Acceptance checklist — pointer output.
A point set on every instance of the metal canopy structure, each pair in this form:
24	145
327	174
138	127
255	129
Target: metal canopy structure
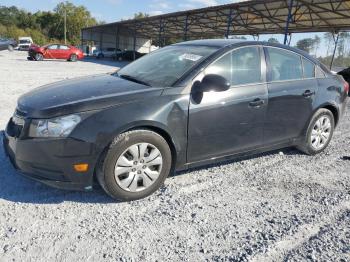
244	18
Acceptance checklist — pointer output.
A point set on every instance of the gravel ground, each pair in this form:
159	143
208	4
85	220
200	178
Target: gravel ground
279	206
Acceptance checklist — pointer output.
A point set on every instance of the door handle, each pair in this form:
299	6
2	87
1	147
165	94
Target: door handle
308	93
257	103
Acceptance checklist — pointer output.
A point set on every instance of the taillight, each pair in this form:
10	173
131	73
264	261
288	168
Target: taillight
346	87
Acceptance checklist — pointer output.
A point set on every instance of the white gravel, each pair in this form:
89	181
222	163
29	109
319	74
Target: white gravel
272	207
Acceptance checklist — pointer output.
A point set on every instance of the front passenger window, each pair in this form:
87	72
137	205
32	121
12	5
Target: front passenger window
221	67
52	47
241	66
246	66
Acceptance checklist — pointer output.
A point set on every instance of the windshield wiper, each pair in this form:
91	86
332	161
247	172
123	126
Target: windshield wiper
134	79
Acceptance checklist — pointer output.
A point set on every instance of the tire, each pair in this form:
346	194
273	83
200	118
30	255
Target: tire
314	132
73	58
10	48
132	184
39	57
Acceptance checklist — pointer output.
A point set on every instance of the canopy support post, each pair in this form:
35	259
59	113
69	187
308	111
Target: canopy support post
229	22
134	47
186	27
117	39
161	28
336	40
289	19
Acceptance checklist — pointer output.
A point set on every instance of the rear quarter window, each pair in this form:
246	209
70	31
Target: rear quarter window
309	68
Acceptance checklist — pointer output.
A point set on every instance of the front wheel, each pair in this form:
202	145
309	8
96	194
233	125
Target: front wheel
319	133
39	57
135	166
10	48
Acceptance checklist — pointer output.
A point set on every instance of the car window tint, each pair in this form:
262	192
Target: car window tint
285	65
320	73
246	66
309	69
222	67
51	47
64	47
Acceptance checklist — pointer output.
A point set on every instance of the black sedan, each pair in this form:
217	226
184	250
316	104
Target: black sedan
127	55
8	44
183	106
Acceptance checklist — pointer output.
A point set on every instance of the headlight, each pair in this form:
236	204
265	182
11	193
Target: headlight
55	127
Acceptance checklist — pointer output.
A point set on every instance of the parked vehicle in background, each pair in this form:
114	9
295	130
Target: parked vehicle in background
55	51
346	75
24	43
127	55
6	43
108	53
185	105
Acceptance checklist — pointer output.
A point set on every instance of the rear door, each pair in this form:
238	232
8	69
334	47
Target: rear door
64	52
292	87
223	123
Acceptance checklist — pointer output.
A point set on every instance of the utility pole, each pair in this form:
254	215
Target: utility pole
65	26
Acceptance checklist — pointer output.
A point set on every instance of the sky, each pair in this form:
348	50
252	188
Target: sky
115	10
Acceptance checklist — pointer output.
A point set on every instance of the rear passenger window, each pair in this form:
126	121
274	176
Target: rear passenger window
285	65
309	69
246	66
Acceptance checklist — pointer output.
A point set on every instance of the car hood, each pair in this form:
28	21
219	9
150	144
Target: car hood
82	94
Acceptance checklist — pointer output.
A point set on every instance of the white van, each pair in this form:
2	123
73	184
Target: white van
24	43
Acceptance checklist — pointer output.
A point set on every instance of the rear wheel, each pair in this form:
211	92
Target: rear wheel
73	58
39	57
135	166
319	133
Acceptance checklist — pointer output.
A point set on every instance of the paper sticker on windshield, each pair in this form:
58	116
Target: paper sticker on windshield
191	57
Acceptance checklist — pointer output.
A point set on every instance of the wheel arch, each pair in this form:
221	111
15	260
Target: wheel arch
334	109
150	126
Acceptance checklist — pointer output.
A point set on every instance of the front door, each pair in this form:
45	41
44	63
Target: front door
52	52
223	123
292	88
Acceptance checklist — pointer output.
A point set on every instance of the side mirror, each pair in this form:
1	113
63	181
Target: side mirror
214	83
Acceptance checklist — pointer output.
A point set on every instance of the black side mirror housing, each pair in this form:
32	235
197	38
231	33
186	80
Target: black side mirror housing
214	83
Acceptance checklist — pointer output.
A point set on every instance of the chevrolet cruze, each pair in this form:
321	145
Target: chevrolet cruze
185	105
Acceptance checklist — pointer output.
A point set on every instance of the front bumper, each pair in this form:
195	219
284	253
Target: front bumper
51	161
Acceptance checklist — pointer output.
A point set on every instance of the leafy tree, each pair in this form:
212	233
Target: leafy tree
273	40
316	44
45	26
140	15
306	44
77	18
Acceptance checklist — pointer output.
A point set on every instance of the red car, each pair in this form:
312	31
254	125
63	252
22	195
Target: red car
55	51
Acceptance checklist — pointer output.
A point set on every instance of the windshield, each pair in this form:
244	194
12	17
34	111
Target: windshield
164	67
24	41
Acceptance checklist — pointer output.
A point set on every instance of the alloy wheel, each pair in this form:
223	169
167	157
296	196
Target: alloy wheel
321	132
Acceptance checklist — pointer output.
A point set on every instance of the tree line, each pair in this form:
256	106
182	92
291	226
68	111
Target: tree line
46	26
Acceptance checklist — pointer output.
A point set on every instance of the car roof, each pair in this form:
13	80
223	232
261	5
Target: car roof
223	43
212	42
